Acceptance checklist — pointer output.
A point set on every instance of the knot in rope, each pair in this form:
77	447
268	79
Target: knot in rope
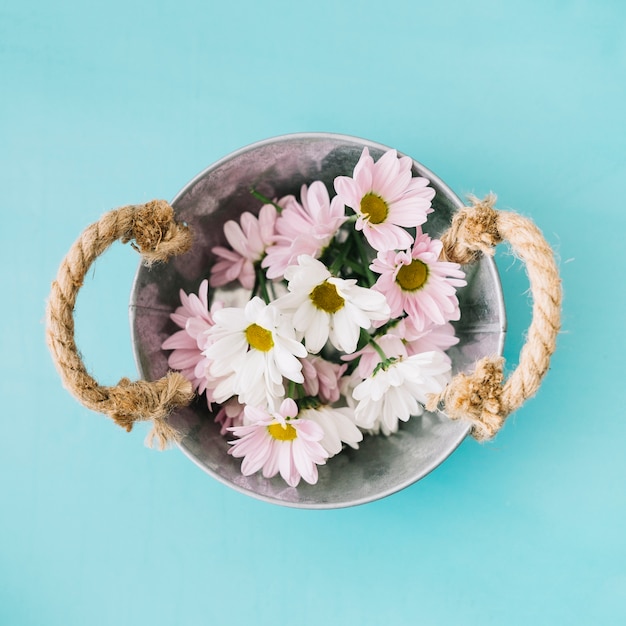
474	229
156	233
476	397
139	400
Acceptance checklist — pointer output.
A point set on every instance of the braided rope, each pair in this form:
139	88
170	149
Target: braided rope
483	397
157	237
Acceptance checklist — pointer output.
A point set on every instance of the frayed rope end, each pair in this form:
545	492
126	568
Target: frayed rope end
475	397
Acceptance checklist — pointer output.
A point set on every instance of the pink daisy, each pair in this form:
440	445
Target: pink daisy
321	378
432	338
248	241
229	415
279	442
386	198
391	344
188	344
416	282
305	228
402	341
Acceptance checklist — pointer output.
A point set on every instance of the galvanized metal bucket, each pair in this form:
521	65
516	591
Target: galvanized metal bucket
276	167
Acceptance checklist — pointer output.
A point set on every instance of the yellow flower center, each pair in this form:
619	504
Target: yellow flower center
374	208
326	298
412	277
259	338
282	433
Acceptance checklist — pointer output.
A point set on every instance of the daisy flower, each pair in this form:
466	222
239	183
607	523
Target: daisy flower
398	390
248	241
279	442
326	307
188	344
386	198
392	345
252	349
433	337
229	415
305	228
415	281
321	378
338	426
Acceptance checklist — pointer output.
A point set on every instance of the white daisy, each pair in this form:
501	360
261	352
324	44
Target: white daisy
253	348
326	307
398	390
338	426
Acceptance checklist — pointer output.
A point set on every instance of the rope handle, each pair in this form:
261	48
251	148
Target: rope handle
157	236
483	397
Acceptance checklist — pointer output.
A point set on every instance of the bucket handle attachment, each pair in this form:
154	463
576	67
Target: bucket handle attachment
157	237
483	398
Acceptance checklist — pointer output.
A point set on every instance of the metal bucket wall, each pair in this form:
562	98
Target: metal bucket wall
277	167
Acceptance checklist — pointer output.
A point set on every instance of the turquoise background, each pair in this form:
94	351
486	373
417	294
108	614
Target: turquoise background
106	104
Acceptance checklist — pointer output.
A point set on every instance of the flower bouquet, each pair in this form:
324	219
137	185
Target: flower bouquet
346	325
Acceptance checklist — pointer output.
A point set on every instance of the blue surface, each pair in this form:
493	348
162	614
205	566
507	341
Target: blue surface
124	101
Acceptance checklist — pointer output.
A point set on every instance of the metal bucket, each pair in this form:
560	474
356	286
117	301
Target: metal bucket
277	167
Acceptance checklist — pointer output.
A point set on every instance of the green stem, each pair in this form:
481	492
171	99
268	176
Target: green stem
262	285
385	328
355	266
264	199
341	258
381	354
291	391
255	288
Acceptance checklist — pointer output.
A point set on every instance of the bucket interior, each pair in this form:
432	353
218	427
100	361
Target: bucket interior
277	167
